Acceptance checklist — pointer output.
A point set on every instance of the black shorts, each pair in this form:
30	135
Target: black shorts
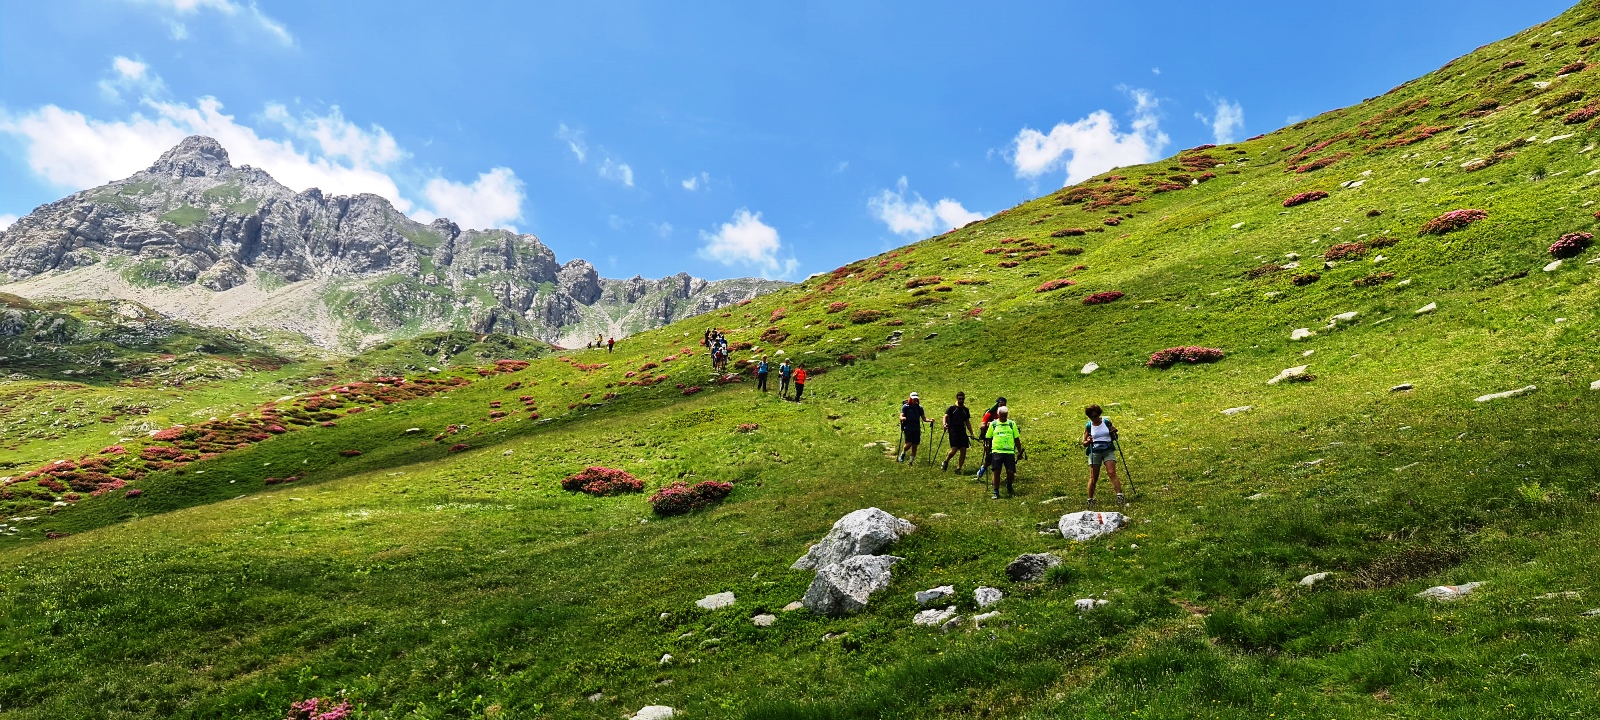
959	441
913	433
1003	460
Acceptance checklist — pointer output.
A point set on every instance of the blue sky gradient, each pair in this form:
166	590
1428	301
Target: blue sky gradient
722	139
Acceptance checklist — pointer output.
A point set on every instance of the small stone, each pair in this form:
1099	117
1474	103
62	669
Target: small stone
1594	385
1420	181
597	697
1089	604
1564	595
986	596
1592	613
935	594
1314	578
1425	309
1507	394
791	607
937	516
1402	387
1031	567
1289	374
764	620
1237	410
653	712
715	601
413	430
1553	266
1089	368
950	624
934	616
1344	317
1301	334
979	620
1292	255
1448	592
665	615
1238	225
665	658
1257	496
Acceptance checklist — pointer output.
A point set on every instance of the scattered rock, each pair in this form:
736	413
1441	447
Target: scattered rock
863	532
1301	334
791	607
597	697
1089	604
1564	595
1314	578
665	615
715	601
833	636
979	620
1289	374
1425	309
1448	592
937	516
1257	496
1594	385
1238	225
1507	394
1344	317
934	616
653	712
764	620
939	593
1553	266
413	430
1089	368
1087	525
1592	613
1402	387
844	587
986	596
1237	410
665	658
950	625
1031	567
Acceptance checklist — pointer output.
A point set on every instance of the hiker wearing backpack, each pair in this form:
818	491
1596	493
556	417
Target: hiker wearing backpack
912	416
983	434
799	382
958	426
1100	444
761	374
784	372
1005	445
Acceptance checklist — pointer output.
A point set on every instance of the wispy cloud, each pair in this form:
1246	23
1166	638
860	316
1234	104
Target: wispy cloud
1226	120
608	167
574	141
748	242
131	76
1091	145
906	213
618	171
176	12
695	182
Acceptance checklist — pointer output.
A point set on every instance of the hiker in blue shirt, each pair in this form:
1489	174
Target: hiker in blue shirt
1100	444
761	374
784	371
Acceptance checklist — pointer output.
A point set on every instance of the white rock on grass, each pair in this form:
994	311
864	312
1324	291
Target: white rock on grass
1553	266
1594	385
1031	567
1237	410
1089	604
986	596
1402	387
1563	595
1289	373
1425	309
951	624
653	712
1089	368
715	601
1507	394
844	587
1592	613
764	620
1344	317
868	531
1314	578
1448	592
934	616
1087	525
935	594
791	607
665	658
979	620
1301	334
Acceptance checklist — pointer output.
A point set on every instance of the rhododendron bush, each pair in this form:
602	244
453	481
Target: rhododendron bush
1305	197
1101	298
602	481
1345	250
1451	221
680	497
1192	355
1571	244
1054	285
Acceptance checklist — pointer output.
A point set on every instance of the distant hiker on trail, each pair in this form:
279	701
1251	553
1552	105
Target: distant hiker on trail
799	382
784	372
958	425
1005	446
705	340
1100	444
761	373
611	344
912	416
983	434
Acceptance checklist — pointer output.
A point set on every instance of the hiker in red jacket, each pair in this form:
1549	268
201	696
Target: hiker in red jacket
799	382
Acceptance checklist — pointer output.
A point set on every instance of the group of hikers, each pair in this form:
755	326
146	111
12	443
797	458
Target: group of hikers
601	341
717	344
1002	442
787	375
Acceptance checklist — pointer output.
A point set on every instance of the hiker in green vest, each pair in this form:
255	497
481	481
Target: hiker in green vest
1005	445
1100	444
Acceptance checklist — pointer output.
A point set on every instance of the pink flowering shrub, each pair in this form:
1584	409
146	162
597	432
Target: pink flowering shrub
919	282
458	447
1452	221
1113	221
114	450
172	433
692	389
837	306
1305	197
680	497
1344	250
318	709
749	427
1101	298
1050	285
1192	355
135	492
779	314
1570	68
895	322
1069	232
602	481
1571	244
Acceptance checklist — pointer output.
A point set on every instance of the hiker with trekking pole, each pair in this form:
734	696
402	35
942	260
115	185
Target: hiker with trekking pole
1005	445
958	426
784	372
912	416
983	435
1100	444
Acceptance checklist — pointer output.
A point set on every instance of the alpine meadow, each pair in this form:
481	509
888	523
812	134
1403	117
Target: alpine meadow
1355	379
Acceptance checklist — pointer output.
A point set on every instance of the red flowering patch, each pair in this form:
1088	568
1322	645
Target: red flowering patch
919	282
171	433
350	453
1452	221
679	497
602	481
113	450
1570	68
1306	279
497	414
692	389
862	317
1050	285
517	385
975	281
1344	250
838	306
1305	197
895	322
1514	64
1192	355
1112	221
1373	279
1581	115
778	314
1009	264
1101	298
135	492
1321	162
1571	245
318	709
1414	136
458	447
1069	232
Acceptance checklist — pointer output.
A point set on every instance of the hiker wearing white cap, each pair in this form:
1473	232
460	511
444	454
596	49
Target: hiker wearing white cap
912	416
1006	445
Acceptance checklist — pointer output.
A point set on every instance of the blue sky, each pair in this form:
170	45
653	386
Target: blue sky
724	139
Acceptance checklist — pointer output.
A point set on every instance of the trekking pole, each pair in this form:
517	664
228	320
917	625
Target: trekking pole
1124	461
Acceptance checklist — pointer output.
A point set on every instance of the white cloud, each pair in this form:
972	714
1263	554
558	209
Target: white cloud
574	140
1092	144
494	200
620	172
247	12
1225	122
6	220
132	76
747	242
1155	71
695	182
913	216
664	229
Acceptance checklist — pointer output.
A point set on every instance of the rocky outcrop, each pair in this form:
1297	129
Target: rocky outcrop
194	219
844	587
868	531
1088	524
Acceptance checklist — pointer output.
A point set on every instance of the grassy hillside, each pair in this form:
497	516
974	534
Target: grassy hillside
443	572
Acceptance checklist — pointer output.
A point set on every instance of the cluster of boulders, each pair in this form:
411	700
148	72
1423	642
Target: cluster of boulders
947	618
848	562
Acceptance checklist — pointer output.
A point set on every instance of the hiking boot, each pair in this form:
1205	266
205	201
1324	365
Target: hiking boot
1121	500
1090	504
901	459
945	467
1009	491
994	495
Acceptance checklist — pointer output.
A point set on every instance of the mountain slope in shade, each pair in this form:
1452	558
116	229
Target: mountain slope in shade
197	238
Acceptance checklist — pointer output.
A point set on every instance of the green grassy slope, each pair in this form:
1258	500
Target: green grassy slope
420	582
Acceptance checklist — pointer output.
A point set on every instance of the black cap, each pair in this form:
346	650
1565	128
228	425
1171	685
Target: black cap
1000	401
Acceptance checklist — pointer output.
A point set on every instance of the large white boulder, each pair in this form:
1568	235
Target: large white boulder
986	596
1301	334
868	531
844	587
715	601
1089	604
1087	524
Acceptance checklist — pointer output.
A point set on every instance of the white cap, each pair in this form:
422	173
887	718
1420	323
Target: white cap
914	396
1003	410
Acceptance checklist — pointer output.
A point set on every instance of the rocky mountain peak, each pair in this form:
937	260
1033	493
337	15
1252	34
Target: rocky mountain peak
195	156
